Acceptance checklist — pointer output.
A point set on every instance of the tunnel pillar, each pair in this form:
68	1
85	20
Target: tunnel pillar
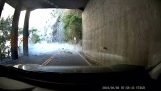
14	32
26	33
2	2
122	32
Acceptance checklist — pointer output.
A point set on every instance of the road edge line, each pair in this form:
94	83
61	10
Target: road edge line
85	59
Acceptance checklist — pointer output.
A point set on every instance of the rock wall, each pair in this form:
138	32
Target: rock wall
58	31
58	27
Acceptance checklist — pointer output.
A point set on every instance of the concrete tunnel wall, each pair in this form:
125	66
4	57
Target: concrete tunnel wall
122	32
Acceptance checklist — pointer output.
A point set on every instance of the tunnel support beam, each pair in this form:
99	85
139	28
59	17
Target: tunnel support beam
14	32
26	33
2	2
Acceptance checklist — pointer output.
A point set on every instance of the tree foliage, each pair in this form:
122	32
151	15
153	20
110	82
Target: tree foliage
35	38
5	30
72	26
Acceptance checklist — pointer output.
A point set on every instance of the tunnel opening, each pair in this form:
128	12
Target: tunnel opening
54	37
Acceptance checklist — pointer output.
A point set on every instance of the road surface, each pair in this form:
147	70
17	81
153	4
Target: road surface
52	55
59	55
66	58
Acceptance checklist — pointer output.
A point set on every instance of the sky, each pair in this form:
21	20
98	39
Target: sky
37	20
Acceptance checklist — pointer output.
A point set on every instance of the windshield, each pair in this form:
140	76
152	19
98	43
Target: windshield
78	34
94	44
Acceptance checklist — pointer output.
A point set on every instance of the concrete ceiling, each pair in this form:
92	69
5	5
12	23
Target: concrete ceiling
37	4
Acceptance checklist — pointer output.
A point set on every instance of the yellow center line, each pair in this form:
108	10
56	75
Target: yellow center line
48	60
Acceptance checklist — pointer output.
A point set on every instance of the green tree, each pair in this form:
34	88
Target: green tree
35	38
72	26
5	30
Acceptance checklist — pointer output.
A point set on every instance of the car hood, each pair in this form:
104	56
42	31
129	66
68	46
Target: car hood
78	69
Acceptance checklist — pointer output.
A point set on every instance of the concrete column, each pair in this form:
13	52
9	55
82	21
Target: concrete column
14	32
122	32
26	33
2	2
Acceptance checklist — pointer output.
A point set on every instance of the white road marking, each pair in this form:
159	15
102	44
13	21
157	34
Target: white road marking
84	59
52	58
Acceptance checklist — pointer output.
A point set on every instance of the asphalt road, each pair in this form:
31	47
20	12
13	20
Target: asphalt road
54	54
66	58
56	58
